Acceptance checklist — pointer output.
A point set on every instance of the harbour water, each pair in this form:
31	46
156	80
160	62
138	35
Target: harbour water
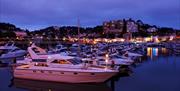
160	71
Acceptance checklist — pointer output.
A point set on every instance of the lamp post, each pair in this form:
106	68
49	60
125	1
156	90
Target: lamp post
106	60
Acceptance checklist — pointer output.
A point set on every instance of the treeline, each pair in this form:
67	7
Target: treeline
8	30
64	31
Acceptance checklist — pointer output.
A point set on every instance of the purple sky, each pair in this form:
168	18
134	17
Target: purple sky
36	14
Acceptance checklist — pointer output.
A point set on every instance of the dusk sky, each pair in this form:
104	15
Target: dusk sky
37	14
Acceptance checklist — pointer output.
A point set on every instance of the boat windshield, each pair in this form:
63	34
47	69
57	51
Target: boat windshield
35	50
59	46
63	50
115	56
9	44
39	60
101	59
15	50
75	61
61	61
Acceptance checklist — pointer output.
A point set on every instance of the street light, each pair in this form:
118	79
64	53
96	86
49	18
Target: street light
106	60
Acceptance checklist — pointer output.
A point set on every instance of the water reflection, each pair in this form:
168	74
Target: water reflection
164	50
123	72
154	52
160	75
33	85
149	51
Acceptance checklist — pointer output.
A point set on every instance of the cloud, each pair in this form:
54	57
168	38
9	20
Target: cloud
40	13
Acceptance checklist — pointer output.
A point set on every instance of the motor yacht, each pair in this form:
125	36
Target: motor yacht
9	45
59	68
117	61
60	49
11	51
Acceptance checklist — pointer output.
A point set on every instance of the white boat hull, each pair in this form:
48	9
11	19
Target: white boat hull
62	76
12	55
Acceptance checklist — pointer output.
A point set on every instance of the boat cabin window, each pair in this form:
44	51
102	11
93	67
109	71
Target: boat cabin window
41	64
88	62
75	61
59	46
35	50
39	60
63	50
61	62
115	56
101	54
101	60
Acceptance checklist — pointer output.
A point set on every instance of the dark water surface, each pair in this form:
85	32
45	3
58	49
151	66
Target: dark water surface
159	72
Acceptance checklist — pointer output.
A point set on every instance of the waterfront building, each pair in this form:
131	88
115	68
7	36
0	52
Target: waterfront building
20	34
120	26
152	29
127	36
114	26
131	26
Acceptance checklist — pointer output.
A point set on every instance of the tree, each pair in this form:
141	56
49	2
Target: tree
9	34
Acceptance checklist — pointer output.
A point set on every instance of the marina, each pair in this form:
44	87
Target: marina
158	68
82	45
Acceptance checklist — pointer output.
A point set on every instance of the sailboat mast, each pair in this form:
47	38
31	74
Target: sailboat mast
78	29
78	37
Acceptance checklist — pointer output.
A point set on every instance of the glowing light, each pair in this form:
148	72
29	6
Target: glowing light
107	56
64	38
148	39
56	37
17	38
164	50
105	40
157	40
122	40
49	57
94	42
75	39
30	42
171	38
36	63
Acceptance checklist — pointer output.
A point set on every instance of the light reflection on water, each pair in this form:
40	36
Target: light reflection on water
159	72
155	52
151	52
53	86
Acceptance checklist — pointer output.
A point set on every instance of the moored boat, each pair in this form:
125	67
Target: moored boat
60	68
